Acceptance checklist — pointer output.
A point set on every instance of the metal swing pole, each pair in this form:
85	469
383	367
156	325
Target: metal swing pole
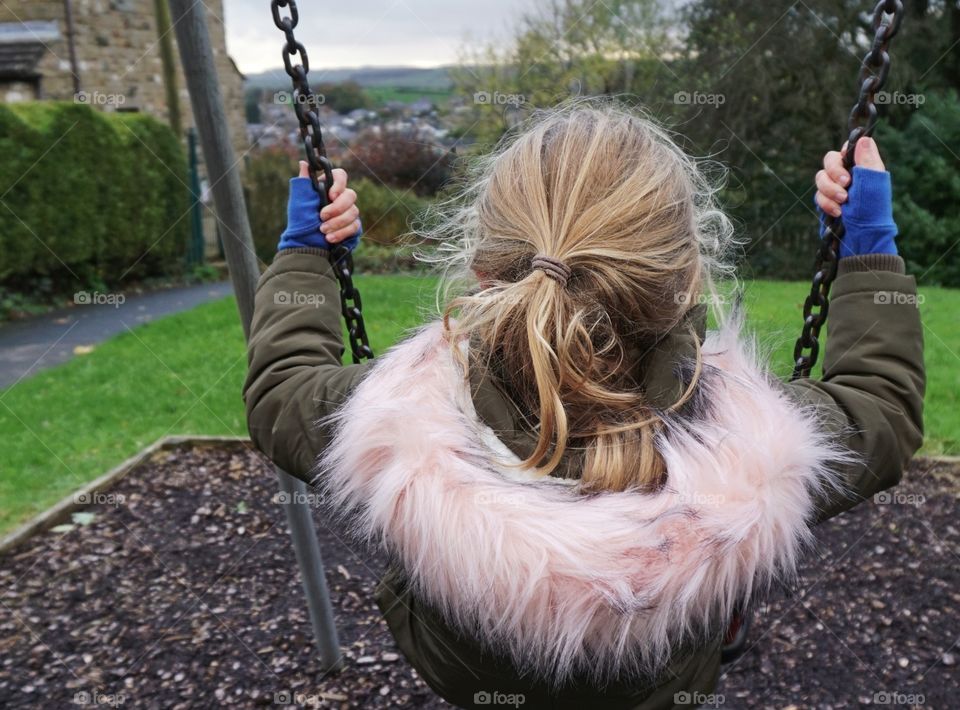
209	115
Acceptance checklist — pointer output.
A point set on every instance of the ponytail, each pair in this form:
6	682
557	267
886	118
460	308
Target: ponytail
590	234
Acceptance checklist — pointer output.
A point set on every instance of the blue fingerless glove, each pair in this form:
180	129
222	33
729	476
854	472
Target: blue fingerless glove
867	215
303	220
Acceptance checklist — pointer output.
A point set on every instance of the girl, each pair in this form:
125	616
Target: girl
575	483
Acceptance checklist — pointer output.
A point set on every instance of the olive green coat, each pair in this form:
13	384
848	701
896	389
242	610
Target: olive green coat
871	396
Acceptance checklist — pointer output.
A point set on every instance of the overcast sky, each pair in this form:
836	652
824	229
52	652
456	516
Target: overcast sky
368	32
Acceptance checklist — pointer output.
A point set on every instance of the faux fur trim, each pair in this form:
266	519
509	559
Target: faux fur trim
610	583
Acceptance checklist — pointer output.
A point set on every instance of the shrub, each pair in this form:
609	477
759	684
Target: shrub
18	146
88	197
387	214
155	166
266	181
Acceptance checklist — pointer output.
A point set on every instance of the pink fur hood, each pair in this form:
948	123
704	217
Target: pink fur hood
559	580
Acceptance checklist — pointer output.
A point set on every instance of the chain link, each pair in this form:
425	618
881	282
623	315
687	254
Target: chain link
306	107
874	70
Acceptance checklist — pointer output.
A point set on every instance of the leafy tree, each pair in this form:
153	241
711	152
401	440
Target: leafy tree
929	43
786	76
782	84
566	48
926	177
344	97
766	88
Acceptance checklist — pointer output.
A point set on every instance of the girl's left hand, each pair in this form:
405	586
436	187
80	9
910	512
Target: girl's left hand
338	222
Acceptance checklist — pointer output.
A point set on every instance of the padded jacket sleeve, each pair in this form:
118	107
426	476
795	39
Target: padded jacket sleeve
871	392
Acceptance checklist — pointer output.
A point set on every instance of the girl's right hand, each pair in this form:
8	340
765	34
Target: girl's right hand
867	208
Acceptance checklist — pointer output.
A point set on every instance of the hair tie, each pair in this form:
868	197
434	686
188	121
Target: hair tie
552	267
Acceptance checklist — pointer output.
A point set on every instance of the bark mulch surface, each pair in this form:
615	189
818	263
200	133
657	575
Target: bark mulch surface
179	589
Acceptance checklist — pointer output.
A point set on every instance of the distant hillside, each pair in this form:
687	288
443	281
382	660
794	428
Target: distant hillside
435	79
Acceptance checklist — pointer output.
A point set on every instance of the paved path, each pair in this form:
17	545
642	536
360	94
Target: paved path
34	344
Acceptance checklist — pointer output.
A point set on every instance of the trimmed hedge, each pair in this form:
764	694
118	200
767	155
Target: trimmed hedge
266	177
89	196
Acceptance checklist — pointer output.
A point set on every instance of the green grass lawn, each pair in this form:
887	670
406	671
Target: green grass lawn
183	375
382	94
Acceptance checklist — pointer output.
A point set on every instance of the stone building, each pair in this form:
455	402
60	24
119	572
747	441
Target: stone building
115	59
115	62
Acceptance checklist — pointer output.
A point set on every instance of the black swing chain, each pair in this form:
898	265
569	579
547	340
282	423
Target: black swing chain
305	105
887	16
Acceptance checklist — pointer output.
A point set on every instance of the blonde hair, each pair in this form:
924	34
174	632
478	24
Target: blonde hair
606	191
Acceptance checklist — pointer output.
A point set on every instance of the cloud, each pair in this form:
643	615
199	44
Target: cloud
370	32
